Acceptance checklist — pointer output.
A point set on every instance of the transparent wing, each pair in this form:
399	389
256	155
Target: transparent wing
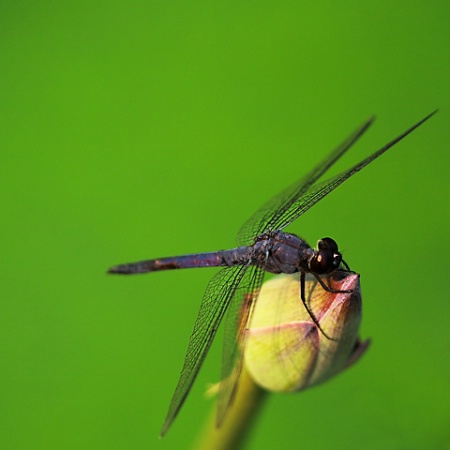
236	324
315	193
298	198
270	212
216	299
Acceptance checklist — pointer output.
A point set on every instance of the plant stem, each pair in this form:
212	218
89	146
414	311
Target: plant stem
238	420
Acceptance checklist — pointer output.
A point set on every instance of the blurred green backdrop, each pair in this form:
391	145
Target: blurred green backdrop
145	129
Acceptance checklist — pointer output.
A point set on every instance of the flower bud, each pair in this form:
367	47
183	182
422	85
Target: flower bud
285	350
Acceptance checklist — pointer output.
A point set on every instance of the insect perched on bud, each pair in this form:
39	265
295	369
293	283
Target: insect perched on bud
301	349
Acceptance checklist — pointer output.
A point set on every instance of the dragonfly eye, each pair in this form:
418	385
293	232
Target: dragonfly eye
325	260
328	243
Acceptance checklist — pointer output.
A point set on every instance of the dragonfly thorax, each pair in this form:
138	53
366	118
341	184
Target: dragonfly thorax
280	252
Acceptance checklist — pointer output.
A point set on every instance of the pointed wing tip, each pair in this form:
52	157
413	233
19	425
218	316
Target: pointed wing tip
419	123
165	428
367	124
431	114
372	118
170	417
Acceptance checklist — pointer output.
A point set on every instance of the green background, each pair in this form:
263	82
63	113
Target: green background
131	130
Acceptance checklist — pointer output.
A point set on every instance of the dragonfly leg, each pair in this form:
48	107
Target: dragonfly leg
311	314
329	289
347	267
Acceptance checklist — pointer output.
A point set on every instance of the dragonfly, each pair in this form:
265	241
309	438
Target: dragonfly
264	246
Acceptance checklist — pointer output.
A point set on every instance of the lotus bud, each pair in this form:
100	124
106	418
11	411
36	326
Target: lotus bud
285	350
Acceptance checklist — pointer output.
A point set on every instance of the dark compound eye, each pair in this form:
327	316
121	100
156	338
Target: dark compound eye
327	258
328	243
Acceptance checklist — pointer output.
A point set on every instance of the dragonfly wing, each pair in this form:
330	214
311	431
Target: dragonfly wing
216	299
275	208
300	205
236	324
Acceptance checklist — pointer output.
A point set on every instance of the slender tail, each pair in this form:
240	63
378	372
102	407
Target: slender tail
212	259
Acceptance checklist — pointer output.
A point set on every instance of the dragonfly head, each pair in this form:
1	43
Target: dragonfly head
327	258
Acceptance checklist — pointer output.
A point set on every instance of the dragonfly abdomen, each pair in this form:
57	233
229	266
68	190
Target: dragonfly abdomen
211	259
